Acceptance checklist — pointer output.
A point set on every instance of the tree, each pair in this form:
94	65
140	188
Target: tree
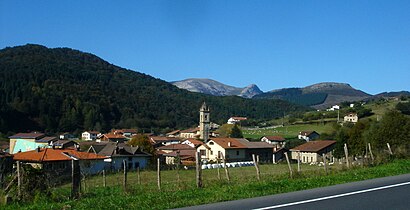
225	130
341	138
403	108
143	143
356	142
236	132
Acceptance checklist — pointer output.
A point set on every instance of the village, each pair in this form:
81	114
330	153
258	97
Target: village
110	151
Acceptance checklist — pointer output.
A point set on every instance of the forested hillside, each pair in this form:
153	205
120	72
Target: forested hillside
61	89
294	95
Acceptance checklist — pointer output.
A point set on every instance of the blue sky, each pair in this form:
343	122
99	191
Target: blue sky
273	44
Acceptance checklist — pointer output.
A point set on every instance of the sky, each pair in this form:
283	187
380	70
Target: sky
271	43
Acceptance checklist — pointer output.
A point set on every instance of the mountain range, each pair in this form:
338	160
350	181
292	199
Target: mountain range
320	95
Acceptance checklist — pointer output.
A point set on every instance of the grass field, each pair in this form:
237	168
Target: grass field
243	184
289	131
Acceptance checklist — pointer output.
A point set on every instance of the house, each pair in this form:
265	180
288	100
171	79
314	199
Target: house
4	146
235	149
64	144
90	135
118	152
127	133
67	136
185	152
22	142
278	154
6	166
236	120
308	135
193	142
277	141
58	161
111	137
351	117
311	152
333	108
174	133
190	133
158	141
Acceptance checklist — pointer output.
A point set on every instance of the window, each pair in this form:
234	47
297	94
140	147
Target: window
211	143
212	152
202	152
237	152
219	154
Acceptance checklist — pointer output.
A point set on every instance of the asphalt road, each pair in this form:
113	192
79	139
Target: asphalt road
382	193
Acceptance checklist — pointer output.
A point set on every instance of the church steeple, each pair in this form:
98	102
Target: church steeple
204	121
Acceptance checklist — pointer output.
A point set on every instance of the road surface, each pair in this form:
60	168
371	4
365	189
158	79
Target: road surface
382	193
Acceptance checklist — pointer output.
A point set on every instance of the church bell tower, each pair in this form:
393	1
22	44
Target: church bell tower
204	122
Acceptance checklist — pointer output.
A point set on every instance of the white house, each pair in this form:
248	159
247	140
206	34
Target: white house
351	117
333	108
235	120
235	149
277	141
308	135
90	135
311	152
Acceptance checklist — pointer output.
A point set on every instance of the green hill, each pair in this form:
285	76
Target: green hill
61	89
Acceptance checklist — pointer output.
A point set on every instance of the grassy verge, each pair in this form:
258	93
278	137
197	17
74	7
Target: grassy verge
176	195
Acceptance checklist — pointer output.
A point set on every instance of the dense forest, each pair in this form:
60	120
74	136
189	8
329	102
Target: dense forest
60	89
295	95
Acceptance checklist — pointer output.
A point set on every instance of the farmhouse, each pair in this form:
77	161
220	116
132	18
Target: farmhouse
351	117
172	151
308	135
311	152
235	149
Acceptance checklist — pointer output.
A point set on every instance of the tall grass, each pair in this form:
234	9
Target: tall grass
173	194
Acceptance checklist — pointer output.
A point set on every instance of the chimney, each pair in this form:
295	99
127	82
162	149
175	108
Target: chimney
229	144
38	149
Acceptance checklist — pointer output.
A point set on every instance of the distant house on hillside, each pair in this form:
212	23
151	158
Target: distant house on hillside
90	135
311	152
333	108
236	120
351	117
111	137
308	135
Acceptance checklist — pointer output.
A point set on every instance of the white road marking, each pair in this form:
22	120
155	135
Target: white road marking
333	196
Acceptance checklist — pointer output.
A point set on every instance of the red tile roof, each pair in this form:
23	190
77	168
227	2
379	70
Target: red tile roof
275	138
48	154
190	130
173	132
229	143
314	146
113	136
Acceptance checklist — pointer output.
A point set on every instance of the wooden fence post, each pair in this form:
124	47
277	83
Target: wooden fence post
324	162
138	175
226	168
388	147
18	180
298	161
75	179
198	170
347	156
104	179
124	162
371	153
177	165
256	166
219	173
159	173
290	168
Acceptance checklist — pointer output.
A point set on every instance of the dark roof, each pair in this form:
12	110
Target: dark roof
314	146
4	154
157	139
27	136
182	153
113	149
307	133
93	132
63	142
47	139
274	138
